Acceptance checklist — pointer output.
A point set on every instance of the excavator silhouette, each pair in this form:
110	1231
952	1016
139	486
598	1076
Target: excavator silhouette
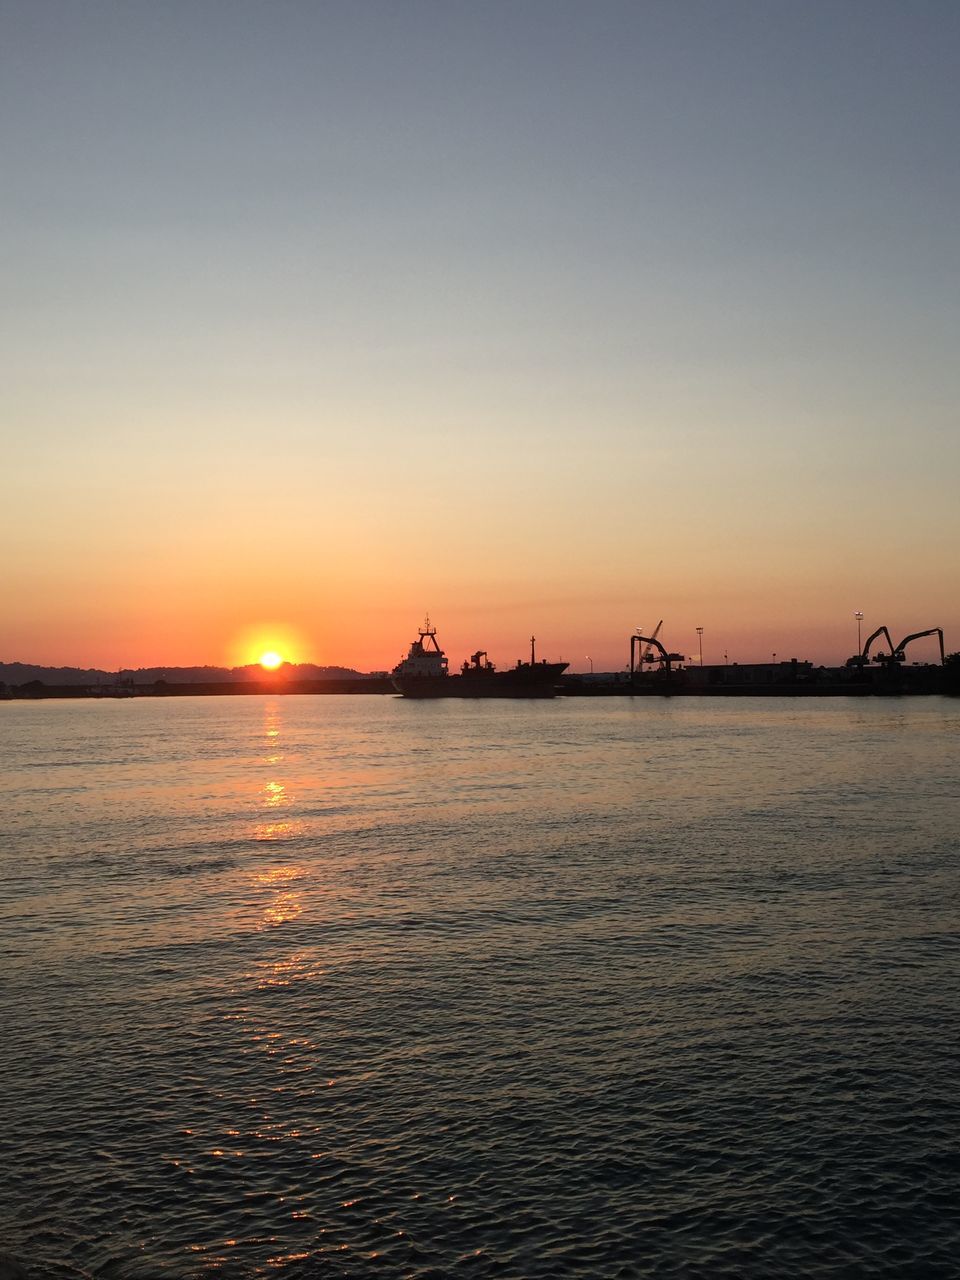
896	656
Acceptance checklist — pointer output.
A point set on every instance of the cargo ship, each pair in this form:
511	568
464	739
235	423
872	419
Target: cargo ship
425	673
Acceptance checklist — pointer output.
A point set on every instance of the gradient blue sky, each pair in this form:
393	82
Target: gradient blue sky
540	316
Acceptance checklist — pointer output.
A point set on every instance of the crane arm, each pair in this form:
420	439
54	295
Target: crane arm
880	631
917	635
652	641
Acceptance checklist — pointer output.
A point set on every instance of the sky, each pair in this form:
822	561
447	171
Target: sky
541	317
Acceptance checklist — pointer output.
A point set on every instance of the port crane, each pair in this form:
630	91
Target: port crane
665	659
645	657
896	654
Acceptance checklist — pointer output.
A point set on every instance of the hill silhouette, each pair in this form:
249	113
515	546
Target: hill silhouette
20	673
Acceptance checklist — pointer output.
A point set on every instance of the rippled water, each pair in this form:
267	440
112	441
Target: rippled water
589	988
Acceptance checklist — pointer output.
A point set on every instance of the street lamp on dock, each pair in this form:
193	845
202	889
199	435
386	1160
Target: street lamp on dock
700	638
859	617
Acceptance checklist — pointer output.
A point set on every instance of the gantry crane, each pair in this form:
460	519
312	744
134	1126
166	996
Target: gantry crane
665	659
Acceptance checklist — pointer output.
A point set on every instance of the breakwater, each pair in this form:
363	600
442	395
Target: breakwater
773	680
791	679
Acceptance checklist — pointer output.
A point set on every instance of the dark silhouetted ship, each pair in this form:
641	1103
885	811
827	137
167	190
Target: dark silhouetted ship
424	673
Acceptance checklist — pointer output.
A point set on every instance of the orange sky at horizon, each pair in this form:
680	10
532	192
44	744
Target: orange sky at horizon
580	547
130	633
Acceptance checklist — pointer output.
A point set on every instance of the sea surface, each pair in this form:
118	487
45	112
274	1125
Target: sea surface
353	986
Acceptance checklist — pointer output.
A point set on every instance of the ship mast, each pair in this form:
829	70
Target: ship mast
429	633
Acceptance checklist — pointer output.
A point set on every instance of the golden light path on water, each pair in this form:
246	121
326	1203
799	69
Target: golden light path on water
279	882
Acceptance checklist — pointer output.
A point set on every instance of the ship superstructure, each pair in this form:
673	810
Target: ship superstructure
425	659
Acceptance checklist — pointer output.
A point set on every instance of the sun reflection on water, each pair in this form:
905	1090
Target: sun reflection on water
271	721
287	900
275	794
275	830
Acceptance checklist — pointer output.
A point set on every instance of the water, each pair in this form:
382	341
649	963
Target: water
592	988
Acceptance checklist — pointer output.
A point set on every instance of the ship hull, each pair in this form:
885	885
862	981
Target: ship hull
538	681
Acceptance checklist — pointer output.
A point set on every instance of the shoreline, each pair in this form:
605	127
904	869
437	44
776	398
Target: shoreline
383	688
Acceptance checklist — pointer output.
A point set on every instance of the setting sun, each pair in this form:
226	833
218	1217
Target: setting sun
269	643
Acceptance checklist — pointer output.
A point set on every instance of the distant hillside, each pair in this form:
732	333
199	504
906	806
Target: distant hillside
18	673
14	673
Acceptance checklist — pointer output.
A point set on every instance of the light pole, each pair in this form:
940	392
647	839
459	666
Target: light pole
859	617
700	638
590	660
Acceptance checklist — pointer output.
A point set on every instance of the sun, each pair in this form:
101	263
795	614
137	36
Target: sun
272	646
